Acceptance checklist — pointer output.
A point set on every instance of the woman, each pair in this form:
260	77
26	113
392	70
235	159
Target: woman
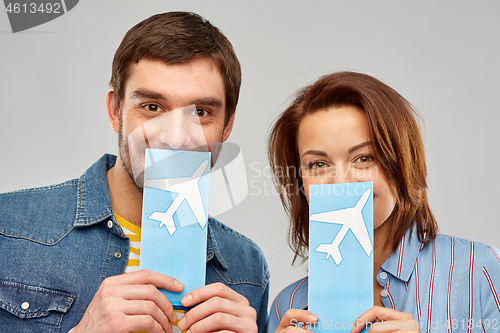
350	127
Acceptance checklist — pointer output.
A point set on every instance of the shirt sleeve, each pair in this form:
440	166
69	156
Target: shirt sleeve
490	286
292	297
262	314
274	316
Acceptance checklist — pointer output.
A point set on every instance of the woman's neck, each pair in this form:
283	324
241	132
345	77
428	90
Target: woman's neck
382	250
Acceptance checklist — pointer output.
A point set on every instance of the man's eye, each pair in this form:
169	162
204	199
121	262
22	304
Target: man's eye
153	107
200	113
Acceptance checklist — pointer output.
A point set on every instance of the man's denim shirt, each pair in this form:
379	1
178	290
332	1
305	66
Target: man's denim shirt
58	243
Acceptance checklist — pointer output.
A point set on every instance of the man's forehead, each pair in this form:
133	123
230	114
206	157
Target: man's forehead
187	69
198	80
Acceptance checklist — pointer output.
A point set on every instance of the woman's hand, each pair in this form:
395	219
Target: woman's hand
292	318
380	319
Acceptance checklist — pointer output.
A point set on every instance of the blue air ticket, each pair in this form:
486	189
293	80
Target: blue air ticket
174	217
340	254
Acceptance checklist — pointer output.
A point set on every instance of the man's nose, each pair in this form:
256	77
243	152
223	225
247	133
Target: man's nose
175	131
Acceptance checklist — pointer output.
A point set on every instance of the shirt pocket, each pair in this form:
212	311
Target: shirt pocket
32	309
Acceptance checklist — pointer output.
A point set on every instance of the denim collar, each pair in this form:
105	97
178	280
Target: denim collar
401	263
94	203
212	247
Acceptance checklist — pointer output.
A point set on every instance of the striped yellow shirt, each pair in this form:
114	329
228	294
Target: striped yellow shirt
134	233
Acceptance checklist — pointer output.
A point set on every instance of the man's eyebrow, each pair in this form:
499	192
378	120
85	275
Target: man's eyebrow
210	101
142	93
361	145
315	152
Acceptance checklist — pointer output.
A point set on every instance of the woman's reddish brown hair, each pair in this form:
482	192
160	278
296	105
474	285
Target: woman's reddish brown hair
398	148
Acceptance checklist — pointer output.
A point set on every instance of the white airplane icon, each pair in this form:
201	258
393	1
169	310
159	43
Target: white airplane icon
187	188
350	218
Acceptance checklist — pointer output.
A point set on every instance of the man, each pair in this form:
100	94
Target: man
63	252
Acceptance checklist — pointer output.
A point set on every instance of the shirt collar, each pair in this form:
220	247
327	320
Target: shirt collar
213	250
93	200
402	262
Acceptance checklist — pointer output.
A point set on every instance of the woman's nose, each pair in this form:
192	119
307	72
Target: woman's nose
339	175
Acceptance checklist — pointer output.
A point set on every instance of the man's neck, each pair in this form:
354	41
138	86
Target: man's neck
126	197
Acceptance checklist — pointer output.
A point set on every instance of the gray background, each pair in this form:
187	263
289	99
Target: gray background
442	56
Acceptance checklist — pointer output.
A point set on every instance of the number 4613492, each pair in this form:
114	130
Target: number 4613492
32	8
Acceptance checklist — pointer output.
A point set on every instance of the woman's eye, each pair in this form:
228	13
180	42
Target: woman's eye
364	159
200	113
153	107
316	165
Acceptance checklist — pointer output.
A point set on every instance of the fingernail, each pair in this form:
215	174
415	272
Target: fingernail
186	299
181	322
178	284
313	318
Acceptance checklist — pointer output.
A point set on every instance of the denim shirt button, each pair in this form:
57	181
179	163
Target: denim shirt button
110	224
384	293
118	255
25	306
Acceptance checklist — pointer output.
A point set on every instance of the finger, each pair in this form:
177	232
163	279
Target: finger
379	314
137	292
393	326
147	313
145	276
369	316
293	317
119	309
206	292
148	324
219	321
122	323
292	329
215	305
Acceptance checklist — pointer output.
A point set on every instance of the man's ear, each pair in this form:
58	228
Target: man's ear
112	111
228	128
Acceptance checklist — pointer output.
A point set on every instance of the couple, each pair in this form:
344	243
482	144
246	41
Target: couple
64	248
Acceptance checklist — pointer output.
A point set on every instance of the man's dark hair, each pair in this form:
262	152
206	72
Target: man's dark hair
176	38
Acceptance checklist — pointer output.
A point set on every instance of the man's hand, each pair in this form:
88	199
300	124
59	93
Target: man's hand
131	303
221	309
292	318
